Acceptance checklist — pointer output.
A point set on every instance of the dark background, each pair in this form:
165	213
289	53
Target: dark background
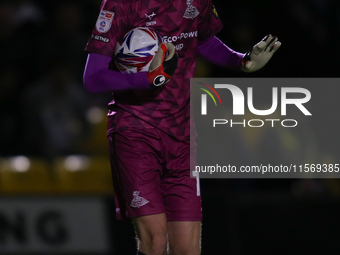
42	60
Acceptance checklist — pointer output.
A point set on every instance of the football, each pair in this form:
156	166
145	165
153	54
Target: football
137	49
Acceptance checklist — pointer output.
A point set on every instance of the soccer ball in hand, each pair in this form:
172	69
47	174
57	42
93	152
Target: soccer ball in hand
135	53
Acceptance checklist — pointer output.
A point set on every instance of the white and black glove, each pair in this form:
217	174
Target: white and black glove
260	54
163	65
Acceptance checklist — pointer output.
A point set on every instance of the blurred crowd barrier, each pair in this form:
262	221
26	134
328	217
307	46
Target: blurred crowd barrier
85	170
73	174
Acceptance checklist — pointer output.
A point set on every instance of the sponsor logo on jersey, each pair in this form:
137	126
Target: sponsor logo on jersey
151	23
191	12
150	16
173	39
138	201
214	12
179	47
100	38
104	21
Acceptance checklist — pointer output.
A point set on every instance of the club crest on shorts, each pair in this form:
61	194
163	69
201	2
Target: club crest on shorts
191	12
138	201
104	21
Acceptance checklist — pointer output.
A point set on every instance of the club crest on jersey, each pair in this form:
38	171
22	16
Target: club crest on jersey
191	12
104	21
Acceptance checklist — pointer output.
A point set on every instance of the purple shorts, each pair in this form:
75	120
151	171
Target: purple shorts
151	175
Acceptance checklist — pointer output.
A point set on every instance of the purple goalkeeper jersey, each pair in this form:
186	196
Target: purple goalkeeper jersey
179	22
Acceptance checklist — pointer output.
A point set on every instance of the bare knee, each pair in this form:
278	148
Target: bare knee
152	234
153	244
184	238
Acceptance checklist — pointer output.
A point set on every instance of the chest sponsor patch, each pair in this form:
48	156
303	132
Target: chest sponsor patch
104	21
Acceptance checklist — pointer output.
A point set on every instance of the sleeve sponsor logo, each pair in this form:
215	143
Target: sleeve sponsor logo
104	21
100	38
214	12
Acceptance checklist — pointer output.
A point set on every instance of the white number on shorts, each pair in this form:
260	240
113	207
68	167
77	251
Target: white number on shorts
196	174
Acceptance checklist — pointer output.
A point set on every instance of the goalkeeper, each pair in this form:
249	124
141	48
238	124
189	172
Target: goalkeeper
149	118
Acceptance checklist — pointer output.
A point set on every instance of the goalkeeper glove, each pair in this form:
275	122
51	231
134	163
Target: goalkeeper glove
163	67
260	54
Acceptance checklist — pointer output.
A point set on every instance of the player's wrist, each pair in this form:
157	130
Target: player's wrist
246	63
158	77
163	66
140	80
260	54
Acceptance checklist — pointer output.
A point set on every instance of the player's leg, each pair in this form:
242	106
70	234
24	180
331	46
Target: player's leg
136	175
184	237
182	200
151	231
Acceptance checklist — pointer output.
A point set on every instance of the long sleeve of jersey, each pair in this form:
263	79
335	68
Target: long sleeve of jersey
99	79
216	52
